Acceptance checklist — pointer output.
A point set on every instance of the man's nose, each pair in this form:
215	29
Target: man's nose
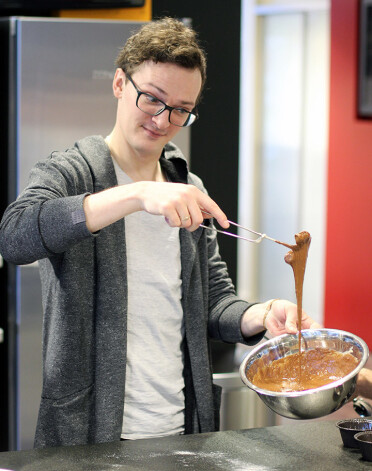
162	119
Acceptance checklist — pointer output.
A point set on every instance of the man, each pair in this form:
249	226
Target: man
132	286
364	384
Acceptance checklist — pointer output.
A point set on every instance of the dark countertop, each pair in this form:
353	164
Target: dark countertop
305	446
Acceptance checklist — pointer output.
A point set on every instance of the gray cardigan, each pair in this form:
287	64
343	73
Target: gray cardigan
84	289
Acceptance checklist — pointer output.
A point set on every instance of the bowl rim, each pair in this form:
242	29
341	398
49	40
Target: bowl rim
363	432
356	420
306	392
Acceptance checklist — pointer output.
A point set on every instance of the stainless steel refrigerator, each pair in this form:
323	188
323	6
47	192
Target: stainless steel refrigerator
58	90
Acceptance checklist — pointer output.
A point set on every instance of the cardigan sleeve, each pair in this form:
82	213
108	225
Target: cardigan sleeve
225	307
48	215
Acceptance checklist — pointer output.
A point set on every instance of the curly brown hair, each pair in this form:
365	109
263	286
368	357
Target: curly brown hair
163	40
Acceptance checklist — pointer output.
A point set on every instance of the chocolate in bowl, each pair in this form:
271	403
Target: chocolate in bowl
308	369
310	403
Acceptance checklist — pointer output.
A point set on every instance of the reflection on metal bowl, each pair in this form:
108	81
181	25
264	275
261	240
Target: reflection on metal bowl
312	403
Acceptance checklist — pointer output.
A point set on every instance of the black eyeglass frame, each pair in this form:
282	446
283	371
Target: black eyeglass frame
165	106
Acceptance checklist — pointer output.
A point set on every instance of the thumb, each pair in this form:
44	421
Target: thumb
291	326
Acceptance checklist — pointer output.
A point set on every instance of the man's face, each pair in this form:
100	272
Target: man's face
174	85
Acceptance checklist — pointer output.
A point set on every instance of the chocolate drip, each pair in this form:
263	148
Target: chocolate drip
297	258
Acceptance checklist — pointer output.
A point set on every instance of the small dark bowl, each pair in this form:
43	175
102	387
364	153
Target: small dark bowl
349	427
364	440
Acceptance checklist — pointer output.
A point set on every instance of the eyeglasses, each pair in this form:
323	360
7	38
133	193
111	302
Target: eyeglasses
153	106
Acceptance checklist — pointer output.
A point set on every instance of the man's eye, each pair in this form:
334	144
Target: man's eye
181	111
153	100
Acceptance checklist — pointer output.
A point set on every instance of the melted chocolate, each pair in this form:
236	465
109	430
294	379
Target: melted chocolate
297	258
300	371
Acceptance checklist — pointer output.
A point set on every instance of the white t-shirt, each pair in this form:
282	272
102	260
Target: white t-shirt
154	399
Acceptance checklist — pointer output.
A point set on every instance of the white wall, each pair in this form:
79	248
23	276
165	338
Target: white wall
283	144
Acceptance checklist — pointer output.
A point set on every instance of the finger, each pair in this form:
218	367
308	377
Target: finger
211	209
172	218
219	216
196	216
291	323
291	327
198	202
185	221
316	325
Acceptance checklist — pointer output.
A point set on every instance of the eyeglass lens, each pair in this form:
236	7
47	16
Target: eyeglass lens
152	106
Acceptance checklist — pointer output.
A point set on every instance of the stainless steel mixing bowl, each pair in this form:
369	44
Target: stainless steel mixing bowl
311	403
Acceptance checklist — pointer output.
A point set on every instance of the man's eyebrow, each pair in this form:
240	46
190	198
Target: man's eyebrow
163	92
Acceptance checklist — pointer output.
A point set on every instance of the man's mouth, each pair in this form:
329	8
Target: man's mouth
153	133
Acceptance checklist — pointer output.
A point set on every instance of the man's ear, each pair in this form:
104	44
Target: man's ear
118	83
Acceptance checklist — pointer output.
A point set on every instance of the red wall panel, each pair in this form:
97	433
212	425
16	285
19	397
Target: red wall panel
348	278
